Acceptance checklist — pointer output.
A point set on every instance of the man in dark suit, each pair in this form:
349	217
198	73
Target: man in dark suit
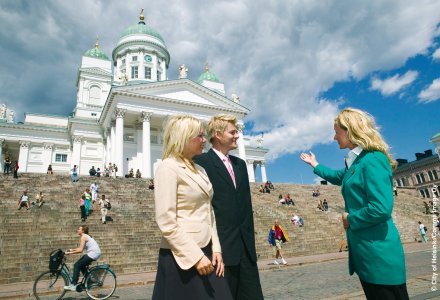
233	208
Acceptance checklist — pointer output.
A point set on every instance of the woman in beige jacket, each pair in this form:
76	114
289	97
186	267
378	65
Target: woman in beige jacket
190	262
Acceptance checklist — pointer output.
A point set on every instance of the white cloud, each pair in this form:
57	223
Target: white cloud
393	84
278	56
431	93
436	54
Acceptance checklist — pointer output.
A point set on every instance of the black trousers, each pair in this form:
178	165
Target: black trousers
80	265
243	279
385	292
83	212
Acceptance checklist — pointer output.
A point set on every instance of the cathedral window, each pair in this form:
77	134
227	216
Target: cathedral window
60	157
134	58
134	72
95	95
147	73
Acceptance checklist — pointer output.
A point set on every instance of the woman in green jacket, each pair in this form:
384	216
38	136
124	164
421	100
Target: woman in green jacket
375	250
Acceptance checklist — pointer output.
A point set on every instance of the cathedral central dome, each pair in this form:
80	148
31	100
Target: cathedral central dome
141	38
141	29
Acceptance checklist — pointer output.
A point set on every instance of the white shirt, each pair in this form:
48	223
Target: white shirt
352	155
92	248
94	187
422	229
224	158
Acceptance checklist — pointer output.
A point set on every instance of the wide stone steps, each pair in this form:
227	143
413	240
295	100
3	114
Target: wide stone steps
130	242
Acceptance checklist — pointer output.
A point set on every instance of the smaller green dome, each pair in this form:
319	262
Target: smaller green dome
96	52
207	75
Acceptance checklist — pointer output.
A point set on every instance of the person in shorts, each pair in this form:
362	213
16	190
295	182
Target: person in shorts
277	236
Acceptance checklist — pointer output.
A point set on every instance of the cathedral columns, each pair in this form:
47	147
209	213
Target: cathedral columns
76	152
119	134
23	156
112	144
251	170
263	171
47	156
146	144
240	141
107	149
1	154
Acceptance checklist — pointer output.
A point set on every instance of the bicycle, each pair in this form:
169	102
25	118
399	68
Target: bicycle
99	282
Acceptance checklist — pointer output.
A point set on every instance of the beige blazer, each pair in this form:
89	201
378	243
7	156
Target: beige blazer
184	212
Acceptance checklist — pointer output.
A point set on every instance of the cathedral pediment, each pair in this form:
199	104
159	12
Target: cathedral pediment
181	91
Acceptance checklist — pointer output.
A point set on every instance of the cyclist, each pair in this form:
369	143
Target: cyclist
93	253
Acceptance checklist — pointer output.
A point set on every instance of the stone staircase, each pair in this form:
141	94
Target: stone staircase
130	242
322	230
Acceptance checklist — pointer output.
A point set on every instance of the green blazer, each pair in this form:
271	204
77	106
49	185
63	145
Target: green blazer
375	249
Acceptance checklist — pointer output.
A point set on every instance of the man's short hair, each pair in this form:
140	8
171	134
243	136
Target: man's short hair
219	123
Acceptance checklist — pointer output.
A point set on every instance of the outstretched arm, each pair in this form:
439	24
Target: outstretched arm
309	159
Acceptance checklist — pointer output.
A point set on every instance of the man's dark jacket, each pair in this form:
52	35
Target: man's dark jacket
232	206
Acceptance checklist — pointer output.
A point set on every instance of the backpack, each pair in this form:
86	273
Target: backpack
107	204
56	258
426	229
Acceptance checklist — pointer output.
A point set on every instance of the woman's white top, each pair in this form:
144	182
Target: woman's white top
92	248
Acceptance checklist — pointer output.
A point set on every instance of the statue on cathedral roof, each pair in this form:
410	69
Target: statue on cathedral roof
3	111
123	78
235	98
11	117
183	71
260	140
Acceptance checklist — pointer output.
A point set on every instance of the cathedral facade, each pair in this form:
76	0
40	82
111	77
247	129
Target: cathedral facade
121	106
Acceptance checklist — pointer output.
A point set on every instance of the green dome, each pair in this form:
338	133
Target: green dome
207	76
141	28
96	53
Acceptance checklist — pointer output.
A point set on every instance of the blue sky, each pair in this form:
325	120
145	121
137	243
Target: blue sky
294	64
406	122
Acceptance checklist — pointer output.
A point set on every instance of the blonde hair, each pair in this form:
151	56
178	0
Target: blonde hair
178	131
362	131
219	123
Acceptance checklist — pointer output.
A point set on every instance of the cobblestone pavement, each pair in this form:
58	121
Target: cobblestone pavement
319	280
328	280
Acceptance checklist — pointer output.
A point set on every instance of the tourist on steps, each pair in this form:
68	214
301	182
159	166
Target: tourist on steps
277	237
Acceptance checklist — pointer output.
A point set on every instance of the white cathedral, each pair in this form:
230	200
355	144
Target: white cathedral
120	110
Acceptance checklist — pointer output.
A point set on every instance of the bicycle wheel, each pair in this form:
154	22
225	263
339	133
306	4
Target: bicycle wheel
100	283
50	286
